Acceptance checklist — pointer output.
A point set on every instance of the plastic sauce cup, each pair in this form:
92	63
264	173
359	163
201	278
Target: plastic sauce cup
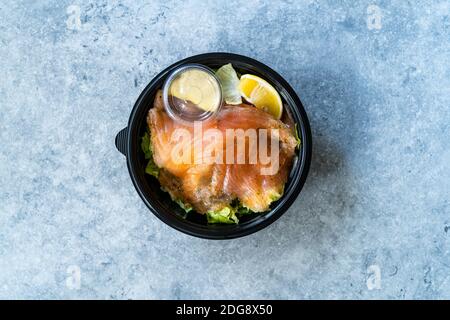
192	93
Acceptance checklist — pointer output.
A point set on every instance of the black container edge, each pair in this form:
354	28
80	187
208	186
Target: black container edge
287	199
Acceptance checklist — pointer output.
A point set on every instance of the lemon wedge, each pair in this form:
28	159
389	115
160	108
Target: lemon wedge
262	94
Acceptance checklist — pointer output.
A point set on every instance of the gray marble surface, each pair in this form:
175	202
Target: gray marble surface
373	220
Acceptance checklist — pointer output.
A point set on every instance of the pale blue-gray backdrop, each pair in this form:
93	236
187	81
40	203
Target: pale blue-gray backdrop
373	220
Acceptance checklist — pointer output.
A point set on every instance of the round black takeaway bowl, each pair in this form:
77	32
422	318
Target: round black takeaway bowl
159	202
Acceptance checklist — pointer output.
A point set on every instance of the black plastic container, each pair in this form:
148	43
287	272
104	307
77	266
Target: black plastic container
159	202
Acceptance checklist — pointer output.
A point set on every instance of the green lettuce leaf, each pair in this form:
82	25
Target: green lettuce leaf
184	205
240	208
299	142
151	168
225	215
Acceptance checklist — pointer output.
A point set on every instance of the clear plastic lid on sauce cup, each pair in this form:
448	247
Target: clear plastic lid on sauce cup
192	93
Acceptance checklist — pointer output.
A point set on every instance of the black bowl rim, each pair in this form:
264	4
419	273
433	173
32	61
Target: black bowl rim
287	199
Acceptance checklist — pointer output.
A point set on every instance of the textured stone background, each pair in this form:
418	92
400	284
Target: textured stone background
377	198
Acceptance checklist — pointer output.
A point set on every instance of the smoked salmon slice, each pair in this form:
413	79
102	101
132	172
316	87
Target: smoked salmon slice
215	182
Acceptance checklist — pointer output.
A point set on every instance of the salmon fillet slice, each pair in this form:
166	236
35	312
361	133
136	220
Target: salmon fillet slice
214	185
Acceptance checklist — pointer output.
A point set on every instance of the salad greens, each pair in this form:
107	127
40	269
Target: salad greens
184	205
230	84
151	168
232	212
299	141
225	215
229	214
